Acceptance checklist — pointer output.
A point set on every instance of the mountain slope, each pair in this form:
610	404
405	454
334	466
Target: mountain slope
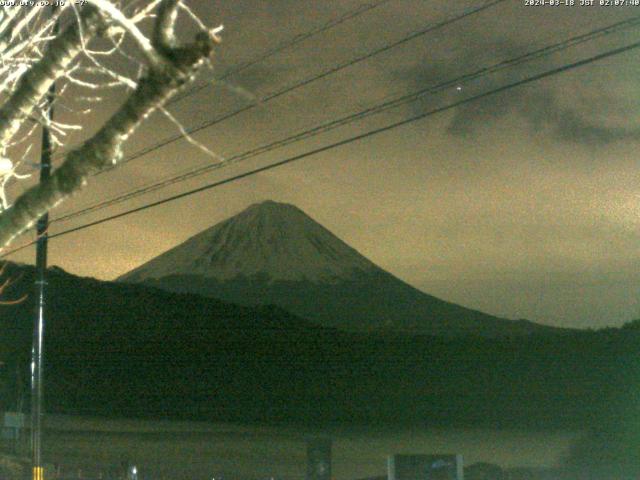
134	351
273	239
273	253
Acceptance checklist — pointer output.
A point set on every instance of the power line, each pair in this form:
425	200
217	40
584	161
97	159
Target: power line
357	138
536	54
296	39
430	28
284	46
307	81
209	123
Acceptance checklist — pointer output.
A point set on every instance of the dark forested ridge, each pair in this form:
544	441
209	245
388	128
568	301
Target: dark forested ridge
368	302
135	351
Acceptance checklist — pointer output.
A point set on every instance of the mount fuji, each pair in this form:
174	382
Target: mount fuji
274	254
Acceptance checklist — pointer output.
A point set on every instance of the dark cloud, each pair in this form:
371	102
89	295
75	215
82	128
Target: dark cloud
544	113
576	113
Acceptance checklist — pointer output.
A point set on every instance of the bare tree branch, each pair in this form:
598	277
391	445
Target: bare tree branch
35	83
6	284
177	66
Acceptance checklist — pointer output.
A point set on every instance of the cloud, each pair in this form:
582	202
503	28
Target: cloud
545	113
591	109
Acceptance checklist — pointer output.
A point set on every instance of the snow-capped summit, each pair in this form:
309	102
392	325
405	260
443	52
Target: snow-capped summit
274	254
276	241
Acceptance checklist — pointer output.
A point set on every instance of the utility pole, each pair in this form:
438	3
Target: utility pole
37	348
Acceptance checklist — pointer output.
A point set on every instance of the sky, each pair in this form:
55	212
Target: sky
524	204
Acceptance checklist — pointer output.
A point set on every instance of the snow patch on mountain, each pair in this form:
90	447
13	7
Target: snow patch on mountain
275	240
